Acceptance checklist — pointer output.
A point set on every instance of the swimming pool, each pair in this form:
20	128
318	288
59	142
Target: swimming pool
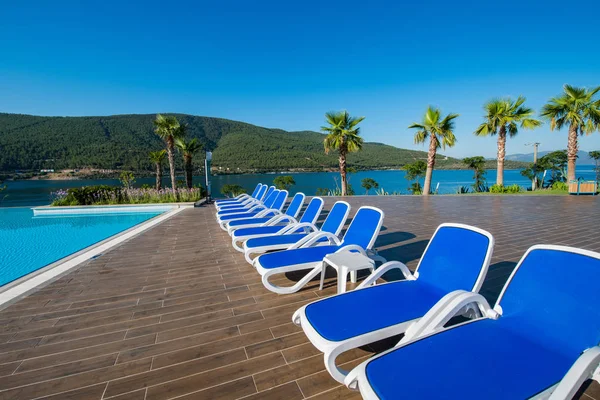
29	242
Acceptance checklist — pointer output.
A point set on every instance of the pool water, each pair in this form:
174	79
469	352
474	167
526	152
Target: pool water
28	242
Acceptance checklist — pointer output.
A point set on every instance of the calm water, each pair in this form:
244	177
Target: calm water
28	242
29	193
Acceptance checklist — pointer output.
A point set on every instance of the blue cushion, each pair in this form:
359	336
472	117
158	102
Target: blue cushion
246	221
228	217
335	218
274	240
296	256
311	213
480	360
373	308
363	227
258	230
453	259
553	298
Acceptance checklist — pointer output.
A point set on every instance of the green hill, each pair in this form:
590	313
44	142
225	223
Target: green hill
123	142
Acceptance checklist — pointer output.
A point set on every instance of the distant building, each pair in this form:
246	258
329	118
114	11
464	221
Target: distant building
46	170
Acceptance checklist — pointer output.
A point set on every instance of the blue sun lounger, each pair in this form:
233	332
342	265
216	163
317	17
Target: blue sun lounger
359	237
258	211
240	198
279	225
297	235
457	257
249	203
540	341
269	201
292	211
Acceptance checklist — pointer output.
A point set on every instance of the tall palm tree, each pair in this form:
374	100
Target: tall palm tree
440	133
158	157
504	116
169	129
342	135
578	109
188	149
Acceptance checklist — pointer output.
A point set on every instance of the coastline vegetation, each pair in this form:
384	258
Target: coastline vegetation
111	195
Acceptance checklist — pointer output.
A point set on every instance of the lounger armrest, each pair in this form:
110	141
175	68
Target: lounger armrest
586	367
277	219
256	208
265	212
307	226
459	302
313	238
378	273
353	248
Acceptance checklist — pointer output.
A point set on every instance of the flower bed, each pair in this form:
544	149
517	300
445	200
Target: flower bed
107	195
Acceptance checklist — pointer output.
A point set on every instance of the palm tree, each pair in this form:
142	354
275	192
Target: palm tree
578	109
594	155
504	116
342	135
158	157
169	129
440	133
188	149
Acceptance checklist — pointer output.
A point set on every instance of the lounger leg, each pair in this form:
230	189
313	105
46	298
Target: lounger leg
342	278
323	268
353	276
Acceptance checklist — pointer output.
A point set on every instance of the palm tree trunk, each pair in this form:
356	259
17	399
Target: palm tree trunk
430	165
501	155
343	171
572	148
171	162
188	171
158	176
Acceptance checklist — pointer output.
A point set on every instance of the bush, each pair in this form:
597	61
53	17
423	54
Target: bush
562	186
506	189
462	190
232	190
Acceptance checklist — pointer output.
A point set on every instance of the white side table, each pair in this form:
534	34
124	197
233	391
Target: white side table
345	262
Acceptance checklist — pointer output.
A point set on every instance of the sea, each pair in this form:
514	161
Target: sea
22	193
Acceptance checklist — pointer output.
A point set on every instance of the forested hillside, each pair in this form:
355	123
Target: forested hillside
123	142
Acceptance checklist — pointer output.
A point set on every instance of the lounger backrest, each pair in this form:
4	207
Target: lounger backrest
312	210
279	199
336	219
270	199
553	297
270	190
295	205
261	192
364	228
456	258
256	190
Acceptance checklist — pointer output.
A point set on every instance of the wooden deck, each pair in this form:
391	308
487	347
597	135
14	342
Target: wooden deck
176	313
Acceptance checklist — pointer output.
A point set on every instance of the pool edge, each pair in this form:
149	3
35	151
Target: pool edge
25	285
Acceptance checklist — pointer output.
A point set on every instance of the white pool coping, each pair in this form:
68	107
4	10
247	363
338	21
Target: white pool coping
21	287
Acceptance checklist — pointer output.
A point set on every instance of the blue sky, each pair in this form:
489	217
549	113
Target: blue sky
284	64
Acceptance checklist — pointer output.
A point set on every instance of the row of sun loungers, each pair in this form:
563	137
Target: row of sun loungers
540	340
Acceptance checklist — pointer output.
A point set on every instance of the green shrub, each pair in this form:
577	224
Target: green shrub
562	186
232	190
506	189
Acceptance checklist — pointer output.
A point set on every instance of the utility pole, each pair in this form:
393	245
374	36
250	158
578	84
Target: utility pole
535	156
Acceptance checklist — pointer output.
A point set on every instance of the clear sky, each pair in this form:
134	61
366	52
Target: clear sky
283	64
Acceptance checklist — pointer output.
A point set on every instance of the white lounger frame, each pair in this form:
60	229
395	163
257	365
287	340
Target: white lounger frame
315	267
587	366
262	213
332	349
242	200
247	203
308	227
288	224
281	216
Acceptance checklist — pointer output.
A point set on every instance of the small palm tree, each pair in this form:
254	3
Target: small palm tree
158	157
578	109
440	133
342	135
188	149
169	129
503	116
